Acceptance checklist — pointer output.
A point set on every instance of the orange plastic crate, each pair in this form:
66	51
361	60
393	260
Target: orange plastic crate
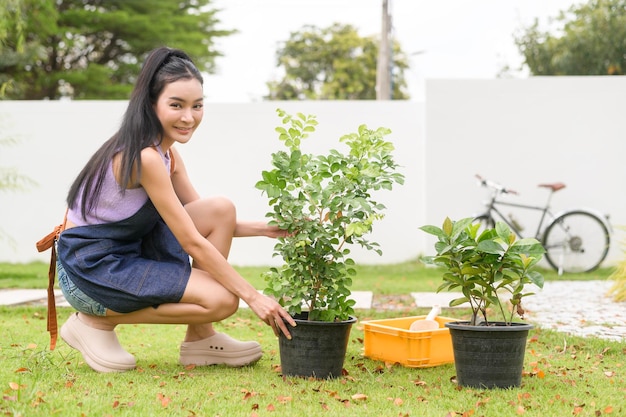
390	340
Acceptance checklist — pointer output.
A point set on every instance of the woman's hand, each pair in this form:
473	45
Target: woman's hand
258	228
275	232
272	314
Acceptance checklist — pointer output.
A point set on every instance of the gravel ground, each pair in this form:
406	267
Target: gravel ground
579	308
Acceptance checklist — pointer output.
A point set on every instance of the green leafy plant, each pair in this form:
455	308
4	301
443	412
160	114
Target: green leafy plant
325	203
483	264
618	276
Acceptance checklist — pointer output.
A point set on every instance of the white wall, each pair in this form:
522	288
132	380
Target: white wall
522	133
518	132
226	157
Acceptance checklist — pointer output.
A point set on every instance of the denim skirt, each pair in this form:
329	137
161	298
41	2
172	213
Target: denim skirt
127	265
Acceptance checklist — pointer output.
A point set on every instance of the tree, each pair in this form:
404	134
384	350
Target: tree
591	41
11	23
92	49
333	63
15	50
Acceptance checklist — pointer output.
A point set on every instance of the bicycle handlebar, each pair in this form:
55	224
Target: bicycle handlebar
494	185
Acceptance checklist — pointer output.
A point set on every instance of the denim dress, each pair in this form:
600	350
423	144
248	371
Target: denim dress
126	265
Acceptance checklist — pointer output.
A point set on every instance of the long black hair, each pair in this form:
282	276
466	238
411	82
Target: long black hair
140	126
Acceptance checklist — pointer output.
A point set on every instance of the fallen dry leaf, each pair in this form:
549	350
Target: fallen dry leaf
163	399
482	402
283	399
248	394
359	397
37	401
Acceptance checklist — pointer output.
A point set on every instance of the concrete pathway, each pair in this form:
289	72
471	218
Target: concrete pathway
581	308
364	299
24	297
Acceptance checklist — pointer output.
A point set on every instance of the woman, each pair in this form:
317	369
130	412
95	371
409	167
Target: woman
134	220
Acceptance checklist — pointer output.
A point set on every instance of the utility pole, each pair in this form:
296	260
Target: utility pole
383	67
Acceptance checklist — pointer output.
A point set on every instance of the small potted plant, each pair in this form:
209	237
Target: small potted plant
326	204
485	264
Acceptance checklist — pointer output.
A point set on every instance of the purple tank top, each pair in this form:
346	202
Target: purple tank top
113	206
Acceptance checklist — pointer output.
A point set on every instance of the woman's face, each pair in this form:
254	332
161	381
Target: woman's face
180	110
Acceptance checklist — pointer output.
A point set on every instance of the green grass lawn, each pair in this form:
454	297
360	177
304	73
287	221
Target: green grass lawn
563	376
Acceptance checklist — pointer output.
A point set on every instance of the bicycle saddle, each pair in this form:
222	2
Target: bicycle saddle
554	186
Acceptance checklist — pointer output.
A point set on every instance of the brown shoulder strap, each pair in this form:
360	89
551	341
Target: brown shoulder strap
44	244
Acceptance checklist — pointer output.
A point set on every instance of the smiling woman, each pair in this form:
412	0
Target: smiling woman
179	108
134	220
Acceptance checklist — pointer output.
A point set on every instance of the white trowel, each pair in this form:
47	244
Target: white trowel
429	323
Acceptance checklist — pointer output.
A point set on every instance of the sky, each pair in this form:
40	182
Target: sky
447	39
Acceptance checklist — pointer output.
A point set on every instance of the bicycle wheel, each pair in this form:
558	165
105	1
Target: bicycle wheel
577	241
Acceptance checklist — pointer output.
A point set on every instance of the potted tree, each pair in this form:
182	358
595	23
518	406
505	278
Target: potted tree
326	203
485	264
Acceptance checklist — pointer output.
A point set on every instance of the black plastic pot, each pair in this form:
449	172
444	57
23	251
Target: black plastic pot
489	356
317	349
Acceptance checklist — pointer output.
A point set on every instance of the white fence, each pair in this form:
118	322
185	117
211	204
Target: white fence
518	132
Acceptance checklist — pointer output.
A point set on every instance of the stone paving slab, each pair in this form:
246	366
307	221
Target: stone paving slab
431	299
12	297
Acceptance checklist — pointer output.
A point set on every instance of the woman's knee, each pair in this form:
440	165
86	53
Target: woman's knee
223	206
213	206
231	306
210	214
221	308
211	296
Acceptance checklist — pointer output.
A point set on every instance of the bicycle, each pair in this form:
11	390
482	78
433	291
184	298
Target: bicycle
575	240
